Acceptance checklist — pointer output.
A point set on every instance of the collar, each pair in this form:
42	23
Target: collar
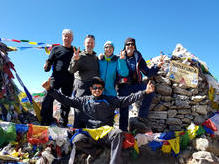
108	58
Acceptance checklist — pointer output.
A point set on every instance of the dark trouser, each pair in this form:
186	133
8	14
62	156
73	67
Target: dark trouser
127	89
113	139
80	89
66	86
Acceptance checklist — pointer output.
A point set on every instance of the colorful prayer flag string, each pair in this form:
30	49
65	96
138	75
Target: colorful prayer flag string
47	48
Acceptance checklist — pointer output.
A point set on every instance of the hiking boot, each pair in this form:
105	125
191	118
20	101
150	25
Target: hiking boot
139	125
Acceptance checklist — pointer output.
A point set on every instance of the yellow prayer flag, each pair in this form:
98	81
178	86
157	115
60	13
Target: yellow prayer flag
192	129
136	146
37	110
166	148
98	132
47	50
34	43
174	143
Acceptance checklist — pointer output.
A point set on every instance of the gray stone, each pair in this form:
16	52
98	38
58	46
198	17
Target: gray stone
167	104
194	91
182	104
172	113
173	121
186	120
181	116
184	111
205	102
198	98
175	127
200	109
166	98
199	120
189	116
157	115
180	97
182	91
163	89
161	79
159	107
156	99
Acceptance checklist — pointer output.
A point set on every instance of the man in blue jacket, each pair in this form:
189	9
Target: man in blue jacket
133	83
99	110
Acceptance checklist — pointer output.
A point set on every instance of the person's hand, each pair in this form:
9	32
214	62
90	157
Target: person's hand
47	67
101	56
161	61
122	54
46	84
150	87
76	54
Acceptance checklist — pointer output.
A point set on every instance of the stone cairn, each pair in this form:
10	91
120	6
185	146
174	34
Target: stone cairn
175	106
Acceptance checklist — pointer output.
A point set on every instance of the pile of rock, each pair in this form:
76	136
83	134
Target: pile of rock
176	105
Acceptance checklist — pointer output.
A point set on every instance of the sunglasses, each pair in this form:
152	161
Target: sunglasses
108	47
130	44
95	88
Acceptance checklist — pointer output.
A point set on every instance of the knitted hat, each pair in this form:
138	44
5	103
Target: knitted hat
108	43
130	40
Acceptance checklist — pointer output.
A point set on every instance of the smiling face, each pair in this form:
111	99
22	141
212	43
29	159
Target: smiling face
89	44
96	90
108	50
130	48
67	39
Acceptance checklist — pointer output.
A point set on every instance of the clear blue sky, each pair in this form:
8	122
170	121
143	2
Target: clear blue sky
155	24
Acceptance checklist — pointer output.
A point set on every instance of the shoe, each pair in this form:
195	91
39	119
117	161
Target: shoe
138	125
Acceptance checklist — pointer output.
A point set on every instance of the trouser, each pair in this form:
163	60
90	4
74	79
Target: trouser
127	89
66	86
84	143
80	89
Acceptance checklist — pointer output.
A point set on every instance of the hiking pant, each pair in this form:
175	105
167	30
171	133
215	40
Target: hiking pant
80	89
86	144
46	113
127	89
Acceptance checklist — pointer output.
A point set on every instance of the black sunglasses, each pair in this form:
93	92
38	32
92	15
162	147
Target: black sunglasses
130	44
95	88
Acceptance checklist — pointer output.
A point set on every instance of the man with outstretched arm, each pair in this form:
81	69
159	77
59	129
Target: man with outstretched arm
99	110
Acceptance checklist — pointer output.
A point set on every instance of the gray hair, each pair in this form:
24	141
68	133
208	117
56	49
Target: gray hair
67	31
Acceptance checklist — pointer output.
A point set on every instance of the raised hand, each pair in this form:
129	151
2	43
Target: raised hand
150	87
76	53
161	61
47	67
46	84
122	54
101	56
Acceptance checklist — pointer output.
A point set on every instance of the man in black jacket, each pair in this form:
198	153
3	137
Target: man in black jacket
99	110
59	59
84	66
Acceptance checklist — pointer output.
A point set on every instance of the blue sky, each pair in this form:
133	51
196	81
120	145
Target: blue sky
156	25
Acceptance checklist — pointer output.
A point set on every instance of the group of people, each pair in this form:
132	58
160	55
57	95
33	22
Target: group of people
88	84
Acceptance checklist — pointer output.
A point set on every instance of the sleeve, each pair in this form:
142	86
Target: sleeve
74	102
52	55
149	72
121	102
122	68
73	66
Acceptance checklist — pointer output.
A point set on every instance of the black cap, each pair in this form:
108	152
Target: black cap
129	40
97	80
